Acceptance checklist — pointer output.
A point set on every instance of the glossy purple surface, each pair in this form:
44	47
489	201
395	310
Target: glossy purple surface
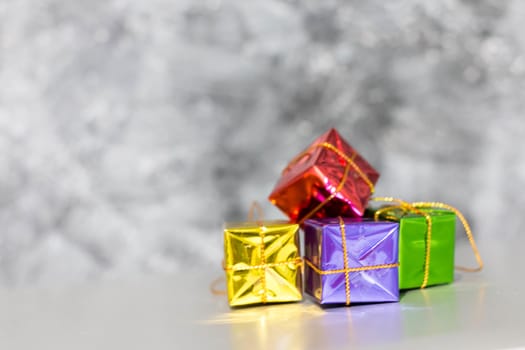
368	243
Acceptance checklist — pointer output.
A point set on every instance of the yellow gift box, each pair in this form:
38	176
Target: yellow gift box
262	261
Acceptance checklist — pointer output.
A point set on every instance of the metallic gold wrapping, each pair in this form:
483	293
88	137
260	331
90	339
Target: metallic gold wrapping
262	262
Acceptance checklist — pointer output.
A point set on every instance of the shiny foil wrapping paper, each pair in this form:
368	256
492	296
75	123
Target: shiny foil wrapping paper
412	242
315	175
262	262
368	243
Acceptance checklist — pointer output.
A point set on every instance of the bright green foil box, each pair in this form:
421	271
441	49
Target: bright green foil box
412	241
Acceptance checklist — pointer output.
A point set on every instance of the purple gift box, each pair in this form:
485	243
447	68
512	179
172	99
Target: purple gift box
349	260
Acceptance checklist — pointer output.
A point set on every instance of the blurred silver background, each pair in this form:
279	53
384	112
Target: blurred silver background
130	130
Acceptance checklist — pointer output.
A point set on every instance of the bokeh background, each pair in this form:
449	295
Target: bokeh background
130	130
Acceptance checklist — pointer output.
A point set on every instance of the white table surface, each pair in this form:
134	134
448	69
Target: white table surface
484	310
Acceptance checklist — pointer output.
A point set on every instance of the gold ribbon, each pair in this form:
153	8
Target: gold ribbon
263	263
415	208
214	289
256	207
349	164
347	270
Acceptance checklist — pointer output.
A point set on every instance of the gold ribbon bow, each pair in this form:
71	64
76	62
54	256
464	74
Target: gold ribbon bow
350	163
415	208
347	270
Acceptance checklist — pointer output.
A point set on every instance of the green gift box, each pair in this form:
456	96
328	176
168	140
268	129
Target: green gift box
413	236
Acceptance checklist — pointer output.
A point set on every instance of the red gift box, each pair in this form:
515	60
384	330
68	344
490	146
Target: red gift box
328	179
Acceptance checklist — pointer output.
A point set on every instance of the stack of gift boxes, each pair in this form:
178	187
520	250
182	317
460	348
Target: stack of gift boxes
352	253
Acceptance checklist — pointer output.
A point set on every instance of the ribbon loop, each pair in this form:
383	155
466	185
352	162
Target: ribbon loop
466	227
256	207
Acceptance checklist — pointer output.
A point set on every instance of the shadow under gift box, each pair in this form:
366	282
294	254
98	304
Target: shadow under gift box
368	244
262	261
412	246
321	182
